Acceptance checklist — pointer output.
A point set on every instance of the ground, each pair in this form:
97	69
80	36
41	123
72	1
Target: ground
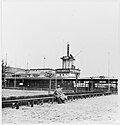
12	92
101	110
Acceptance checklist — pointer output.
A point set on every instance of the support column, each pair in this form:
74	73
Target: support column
5	81
85	86
63	65
15	83
49	92
76	82
116	89
92	86
108	85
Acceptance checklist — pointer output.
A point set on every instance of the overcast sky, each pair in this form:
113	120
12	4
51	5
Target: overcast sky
32	29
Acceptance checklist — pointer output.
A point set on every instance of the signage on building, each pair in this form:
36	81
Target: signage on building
61	71
21	84
74	71
66	71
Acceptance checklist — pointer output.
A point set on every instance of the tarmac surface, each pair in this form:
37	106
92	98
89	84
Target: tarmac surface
97	110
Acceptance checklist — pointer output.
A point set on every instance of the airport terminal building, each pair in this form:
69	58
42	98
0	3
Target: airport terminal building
68	77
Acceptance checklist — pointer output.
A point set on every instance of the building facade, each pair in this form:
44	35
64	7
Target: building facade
68	77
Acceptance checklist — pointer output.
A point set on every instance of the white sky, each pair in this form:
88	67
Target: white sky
32	29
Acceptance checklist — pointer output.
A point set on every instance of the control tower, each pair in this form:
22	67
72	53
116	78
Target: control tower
68	69
68	61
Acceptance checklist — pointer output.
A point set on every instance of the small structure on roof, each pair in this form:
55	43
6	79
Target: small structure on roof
68	61
68	68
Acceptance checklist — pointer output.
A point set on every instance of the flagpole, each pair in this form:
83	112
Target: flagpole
108	72
44	62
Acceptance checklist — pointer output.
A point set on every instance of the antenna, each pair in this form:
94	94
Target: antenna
78	53
56	74
63	46
108	72
6	59
108	64
68	49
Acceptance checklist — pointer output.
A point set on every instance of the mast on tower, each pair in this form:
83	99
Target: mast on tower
68	61
68	50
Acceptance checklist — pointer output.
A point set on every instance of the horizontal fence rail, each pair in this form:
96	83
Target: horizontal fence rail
50	99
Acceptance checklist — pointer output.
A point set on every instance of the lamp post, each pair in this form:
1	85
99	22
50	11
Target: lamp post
76	81
108	72
49	74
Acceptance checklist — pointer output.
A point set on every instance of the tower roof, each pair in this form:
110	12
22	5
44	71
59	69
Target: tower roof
68	58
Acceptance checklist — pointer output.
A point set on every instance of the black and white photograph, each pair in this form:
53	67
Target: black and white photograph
60	62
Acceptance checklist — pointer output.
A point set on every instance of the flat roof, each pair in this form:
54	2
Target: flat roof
63	78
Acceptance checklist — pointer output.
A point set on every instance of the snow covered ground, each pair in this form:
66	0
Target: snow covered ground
101	110
12	92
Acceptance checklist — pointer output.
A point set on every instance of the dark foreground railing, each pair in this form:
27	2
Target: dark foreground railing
15	103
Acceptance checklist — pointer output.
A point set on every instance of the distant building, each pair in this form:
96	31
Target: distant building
68	76
11	71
